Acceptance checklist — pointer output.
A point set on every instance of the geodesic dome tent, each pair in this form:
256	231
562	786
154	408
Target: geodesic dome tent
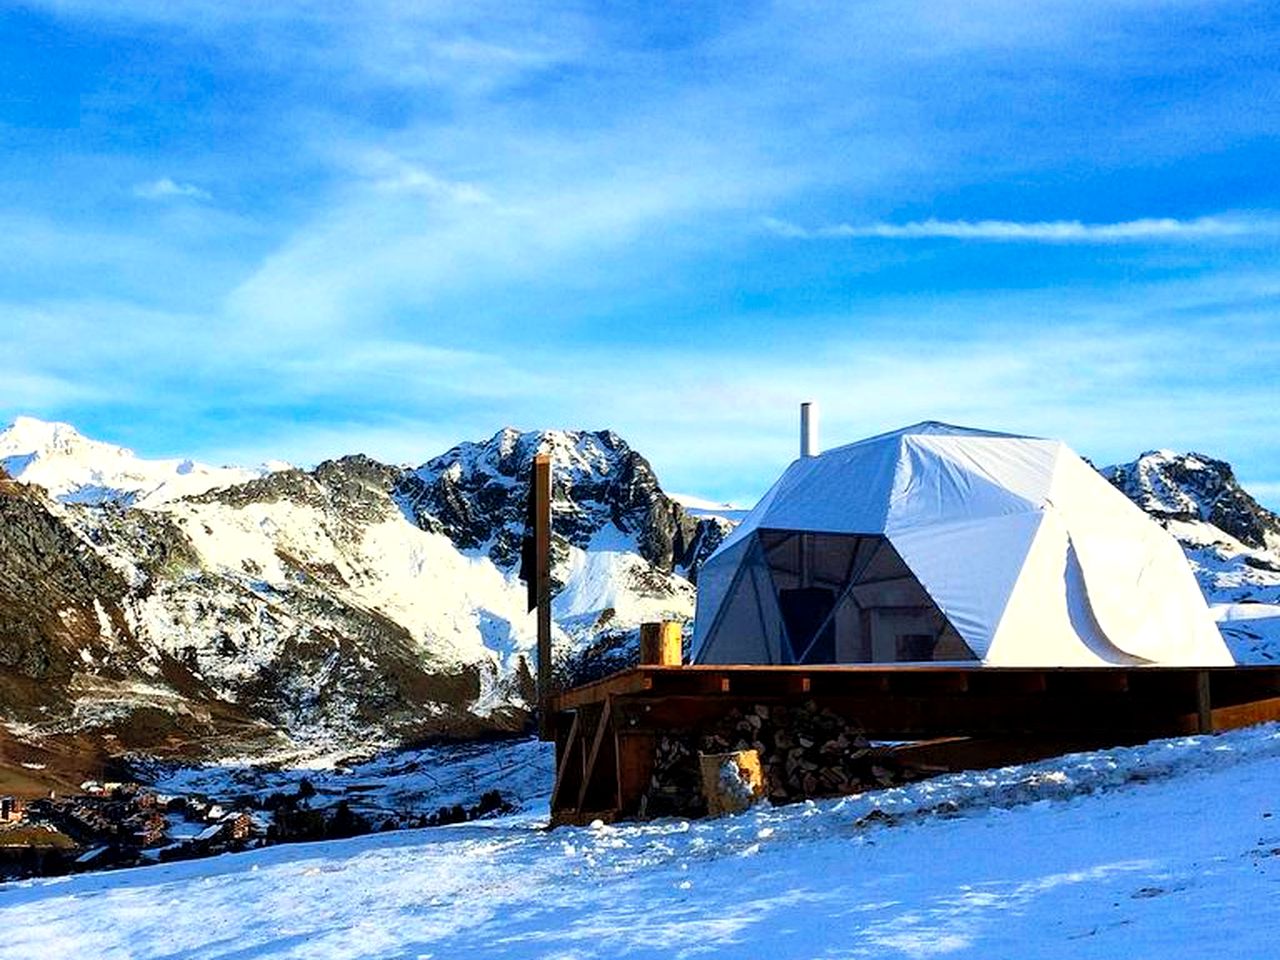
940	543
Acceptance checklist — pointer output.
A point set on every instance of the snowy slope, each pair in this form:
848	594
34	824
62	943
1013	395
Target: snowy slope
1170	850
75	469
702	507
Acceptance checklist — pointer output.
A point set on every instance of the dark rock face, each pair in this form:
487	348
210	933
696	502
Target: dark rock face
350	483
477	495
1198	488
49	584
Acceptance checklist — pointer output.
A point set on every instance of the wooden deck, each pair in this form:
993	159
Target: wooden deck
958	716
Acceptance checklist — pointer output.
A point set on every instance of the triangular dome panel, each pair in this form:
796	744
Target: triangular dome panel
970	569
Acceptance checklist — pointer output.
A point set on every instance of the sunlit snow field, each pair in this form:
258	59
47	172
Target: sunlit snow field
1168	850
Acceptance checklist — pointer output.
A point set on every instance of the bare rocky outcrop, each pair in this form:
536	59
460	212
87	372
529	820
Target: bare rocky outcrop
477	493
1193	487
1231	541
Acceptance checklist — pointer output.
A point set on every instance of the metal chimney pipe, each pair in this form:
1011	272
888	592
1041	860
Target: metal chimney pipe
808	429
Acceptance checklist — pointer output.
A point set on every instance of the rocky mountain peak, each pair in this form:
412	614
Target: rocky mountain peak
1194	487
477	493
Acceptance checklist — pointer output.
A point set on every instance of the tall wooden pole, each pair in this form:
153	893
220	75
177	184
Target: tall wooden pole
542	577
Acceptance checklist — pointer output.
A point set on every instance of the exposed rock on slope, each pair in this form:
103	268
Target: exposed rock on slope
69	657
476	494
1192	487
57	595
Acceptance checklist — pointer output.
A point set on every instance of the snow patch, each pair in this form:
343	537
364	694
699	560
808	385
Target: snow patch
75	469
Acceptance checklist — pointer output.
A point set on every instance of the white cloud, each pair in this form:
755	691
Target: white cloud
167	189
390	173
463	49
1042	231
22	391
563	218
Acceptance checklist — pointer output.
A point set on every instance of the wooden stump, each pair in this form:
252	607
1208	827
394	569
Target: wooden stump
660	644
731	782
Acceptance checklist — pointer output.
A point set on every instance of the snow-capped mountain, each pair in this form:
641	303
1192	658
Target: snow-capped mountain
1231	541
354	604
1191	487
75	469
476	493
623	549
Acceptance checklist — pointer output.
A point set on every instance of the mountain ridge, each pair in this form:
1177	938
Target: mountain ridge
360	603
331	607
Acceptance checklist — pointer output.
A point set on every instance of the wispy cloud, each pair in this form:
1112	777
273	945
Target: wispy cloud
1109	372
168	189
1151	229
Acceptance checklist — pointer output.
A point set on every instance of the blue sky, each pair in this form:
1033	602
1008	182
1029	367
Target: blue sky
296	230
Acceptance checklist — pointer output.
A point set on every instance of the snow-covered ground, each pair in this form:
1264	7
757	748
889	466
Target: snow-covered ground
1167	850
1252	630
396	783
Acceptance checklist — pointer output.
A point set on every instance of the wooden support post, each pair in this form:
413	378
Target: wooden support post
660	644
1204	702
542	578
604	726
634	751
562	763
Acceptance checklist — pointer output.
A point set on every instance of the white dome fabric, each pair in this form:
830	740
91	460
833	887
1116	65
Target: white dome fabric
1030	555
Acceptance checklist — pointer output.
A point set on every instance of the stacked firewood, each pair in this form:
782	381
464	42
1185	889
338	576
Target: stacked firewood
806	751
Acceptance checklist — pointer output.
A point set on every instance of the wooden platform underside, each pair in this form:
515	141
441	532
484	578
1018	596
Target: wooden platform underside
955	716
